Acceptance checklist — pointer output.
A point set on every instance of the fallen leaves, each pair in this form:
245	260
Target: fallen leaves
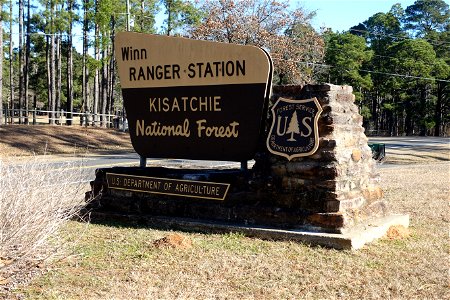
397	232
173	240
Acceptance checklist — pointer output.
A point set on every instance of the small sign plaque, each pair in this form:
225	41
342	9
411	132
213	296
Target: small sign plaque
294	131
166	186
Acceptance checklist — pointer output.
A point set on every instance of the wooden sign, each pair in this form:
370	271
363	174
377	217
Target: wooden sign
294	131
166	186
192	99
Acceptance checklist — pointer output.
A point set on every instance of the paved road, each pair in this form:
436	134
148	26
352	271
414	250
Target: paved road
92	162
414	142
132	159
89	163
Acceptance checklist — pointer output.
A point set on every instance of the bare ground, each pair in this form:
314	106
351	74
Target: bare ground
24	140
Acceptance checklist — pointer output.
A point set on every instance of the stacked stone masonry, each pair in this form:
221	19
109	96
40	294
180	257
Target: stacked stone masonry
341	174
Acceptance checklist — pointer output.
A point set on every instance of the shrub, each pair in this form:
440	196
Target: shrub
36	199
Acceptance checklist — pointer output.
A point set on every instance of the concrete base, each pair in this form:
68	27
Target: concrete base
354	238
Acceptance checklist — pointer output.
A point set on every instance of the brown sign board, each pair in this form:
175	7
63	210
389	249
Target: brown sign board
166	186
294	131
193	99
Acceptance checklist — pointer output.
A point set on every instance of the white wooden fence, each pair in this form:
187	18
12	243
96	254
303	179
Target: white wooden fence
36	117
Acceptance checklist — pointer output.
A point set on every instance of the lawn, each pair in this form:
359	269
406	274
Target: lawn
113	261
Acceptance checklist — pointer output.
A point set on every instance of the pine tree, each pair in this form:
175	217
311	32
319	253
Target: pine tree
1	62
293	127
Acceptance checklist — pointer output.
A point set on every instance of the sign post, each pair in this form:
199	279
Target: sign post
185	99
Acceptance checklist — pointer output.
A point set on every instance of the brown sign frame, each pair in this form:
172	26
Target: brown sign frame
208	104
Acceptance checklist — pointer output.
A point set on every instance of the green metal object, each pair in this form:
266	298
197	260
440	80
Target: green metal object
378	151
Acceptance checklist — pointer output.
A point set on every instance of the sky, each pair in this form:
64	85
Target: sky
340	15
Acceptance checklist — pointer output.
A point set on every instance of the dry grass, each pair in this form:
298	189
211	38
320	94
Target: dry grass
402	156
120	262
36	200
114	262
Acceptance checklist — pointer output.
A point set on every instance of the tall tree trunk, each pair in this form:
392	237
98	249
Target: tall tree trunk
438	108
96	74
104	118
11	55
52	78
142	22
58	67
374	111
86	103
27	61
49	81
21	100
52	66
69	103
112	73
423	111
1	63
409	128
169	17
396	112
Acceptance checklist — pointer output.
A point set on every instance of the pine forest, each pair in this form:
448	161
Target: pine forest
58	56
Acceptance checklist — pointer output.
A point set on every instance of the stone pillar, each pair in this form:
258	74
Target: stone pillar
338	186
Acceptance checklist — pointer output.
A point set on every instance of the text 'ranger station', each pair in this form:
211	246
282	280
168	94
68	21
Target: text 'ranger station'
211	69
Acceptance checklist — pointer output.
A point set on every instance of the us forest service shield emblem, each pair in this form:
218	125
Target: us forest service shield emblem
294	131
